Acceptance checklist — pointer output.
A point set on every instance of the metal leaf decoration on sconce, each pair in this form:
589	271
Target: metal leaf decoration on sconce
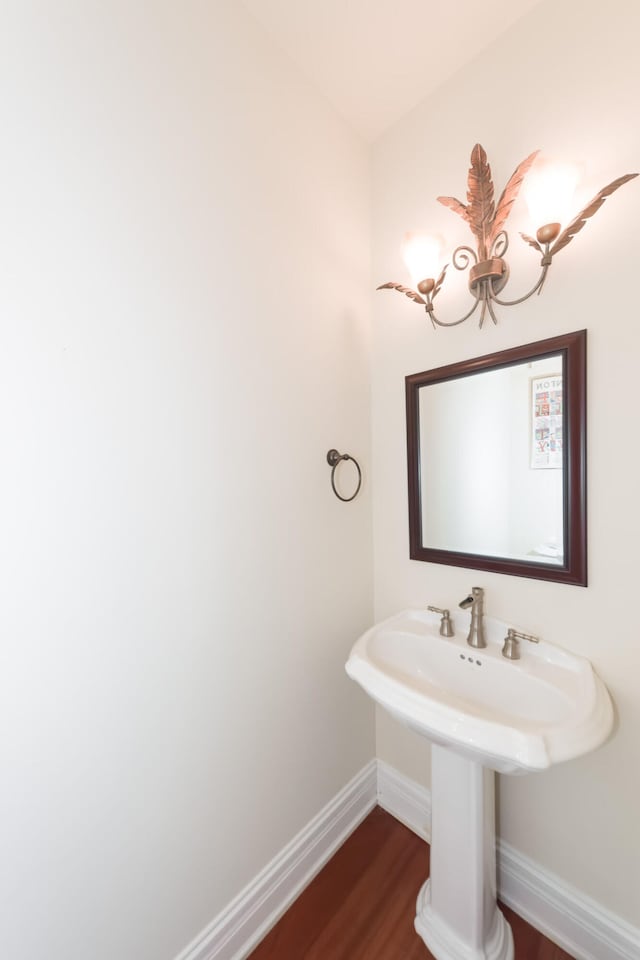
489	271
408	292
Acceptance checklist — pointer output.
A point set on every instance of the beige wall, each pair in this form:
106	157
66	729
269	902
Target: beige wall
565	79
184	284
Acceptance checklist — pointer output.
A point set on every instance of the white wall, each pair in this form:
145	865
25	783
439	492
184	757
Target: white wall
184	279
566	79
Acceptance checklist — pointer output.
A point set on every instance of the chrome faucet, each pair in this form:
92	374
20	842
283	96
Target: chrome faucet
475	600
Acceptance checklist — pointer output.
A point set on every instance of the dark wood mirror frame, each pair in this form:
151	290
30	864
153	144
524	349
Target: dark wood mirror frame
573	348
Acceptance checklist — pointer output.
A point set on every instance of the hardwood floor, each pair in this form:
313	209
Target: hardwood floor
361	905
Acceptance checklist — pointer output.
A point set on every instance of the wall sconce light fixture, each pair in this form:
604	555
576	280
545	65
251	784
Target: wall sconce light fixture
489	271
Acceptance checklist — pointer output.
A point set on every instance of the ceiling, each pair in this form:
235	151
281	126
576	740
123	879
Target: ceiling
375	60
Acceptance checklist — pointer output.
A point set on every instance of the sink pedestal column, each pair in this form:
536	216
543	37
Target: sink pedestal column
457	915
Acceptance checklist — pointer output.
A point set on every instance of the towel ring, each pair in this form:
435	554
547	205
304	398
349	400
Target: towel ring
333	459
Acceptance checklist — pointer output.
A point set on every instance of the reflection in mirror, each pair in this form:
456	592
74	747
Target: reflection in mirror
499	433
497	461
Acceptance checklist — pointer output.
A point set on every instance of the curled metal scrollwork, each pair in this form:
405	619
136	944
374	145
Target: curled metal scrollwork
500	244
462	257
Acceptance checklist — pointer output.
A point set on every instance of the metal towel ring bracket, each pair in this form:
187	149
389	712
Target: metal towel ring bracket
333	459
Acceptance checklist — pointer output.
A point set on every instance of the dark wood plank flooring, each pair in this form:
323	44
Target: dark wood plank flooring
362	904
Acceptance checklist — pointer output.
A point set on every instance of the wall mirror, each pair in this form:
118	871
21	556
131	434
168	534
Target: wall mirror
497	462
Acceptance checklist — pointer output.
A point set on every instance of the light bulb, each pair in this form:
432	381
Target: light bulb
422	255
548	191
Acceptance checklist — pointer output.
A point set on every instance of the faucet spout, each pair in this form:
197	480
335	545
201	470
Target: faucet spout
475	601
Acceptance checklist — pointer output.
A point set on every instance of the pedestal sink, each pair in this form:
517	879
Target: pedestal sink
482	713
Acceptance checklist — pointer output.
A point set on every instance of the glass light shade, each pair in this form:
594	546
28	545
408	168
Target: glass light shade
422	255
548	191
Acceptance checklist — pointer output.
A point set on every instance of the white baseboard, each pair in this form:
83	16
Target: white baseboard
563	914
576	923
234	933
404	799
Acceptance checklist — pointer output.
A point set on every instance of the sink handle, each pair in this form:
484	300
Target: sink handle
446	626
511	648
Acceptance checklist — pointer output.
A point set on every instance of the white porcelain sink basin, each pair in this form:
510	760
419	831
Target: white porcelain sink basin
510	716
